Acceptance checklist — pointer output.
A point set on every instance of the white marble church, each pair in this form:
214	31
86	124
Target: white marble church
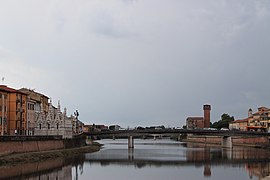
54	122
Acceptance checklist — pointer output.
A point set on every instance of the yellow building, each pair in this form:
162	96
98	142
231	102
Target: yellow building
239	125
259	121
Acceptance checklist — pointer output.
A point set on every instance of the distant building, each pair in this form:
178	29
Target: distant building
114	127
77	126
89	128
259	121
239	125
200	122
195	123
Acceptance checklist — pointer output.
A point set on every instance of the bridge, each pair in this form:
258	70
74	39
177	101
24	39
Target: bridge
179	131
225	136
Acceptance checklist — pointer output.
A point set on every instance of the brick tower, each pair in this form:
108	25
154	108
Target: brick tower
206	109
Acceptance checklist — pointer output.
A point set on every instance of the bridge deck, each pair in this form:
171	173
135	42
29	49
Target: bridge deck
179	131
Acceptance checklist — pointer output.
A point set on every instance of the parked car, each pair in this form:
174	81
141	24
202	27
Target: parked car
224	129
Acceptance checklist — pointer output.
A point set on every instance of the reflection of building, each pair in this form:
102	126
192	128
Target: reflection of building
200	122
260	170
200	155
49	169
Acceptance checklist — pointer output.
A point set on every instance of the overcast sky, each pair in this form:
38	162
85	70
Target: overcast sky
139	62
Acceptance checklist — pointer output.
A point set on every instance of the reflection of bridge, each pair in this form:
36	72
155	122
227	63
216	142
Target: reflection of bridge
192	154
225	135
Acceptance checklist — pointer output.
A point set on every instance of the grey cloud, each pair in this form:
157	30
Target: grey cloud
145	62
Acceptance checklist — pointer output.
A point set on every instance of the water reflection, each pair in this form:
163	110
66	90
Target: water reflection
56	169
159	158
254	161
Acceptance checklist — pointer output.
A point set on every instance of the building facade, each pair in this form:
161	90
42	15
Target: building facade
26	112
34	102
54	122
239	125
200	122
3	111
260	120
195	123
15	111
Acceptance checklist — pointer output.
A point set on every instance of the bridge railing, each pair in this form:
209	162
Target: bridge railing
181	131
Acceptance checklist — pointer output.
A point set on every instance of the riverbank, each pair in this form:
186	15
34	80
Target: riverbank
20	158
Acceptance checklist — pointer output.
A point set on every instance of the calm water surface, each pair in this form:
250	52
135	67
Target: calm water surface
151	159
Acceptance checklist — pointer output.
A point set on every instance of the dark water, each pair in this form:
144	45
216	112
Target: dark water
151	159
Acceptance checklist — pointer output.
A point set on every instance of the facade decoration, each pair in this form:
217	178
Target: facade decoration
54	122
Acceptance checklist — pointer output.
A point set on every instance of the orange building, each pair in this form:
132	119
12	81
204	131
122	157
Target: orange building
15	104
3	111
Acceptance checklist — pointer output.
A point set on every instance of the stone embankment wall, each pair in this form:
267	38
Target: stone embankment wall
23	144
240	141
260	141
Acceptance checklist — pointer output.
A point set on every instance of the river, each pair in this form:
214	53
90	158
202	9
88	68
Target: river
150	159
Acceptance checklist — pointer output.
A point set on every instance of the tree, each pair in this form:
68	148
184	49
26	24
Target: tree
224	122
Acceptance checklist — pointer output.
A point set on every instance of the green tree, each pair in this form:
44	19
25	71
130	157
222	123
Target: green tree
224	122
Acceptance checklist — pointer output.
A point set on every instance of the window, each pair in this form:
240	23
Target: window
57	125
48	126
39	126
